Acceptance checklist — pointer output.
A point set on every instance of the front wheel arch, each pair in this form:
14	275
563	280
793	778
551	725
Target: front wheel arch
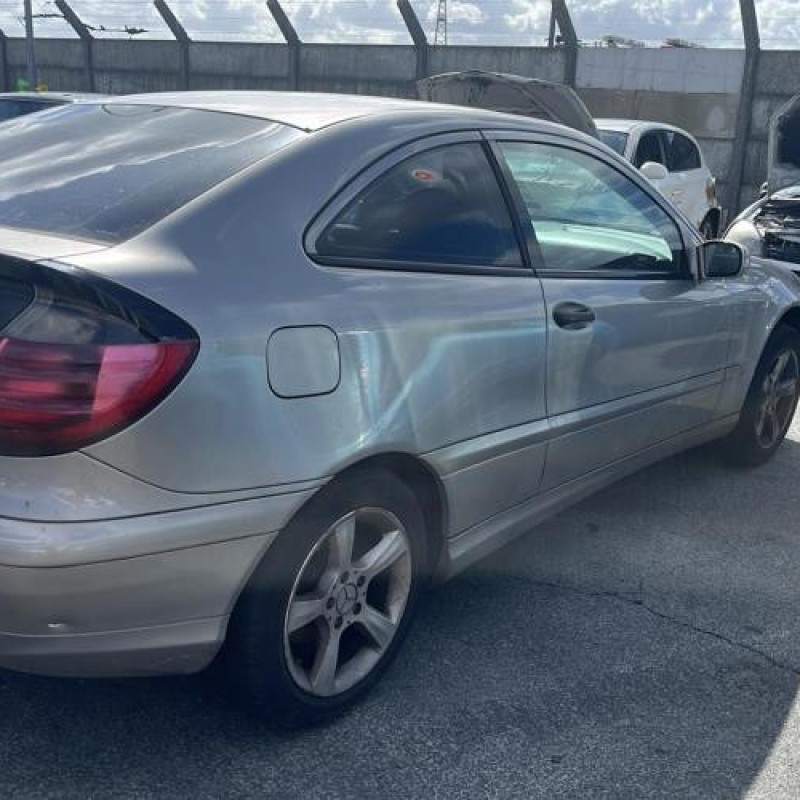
790	319
743	447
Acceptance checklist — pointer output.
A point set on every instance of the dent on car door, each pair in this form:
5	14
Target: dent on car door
441	324
637	348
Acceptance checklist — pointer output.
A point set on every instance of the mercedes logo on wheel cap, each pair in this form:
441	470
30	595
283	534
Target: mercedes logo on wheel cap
346	598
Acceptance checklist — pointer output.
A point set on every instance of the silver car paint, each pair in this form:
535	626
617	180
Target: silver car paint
462	373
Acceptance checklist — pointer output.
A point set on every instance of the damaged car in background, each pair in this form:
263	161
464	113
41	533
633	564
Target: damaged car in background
770	228
673	161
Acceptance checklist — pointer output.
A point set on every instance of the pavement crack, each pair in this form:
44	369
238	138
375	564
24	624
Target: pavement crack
680	623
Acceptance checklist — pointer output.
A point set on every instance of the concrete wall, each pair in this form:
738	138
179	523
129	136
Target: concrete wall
361	69
696	89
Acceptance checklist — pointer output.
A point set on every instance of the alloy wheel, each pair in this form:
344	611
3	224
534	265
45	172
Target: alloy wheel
778	399
347	602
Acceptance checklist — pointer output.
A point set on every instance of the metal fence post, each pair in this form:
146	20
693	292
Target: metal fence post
418	36
3	62
85	35
744	114
293	42
179	32
30	47
570	39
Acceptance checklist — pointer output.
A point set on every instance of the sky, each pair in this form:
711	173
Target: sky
712	23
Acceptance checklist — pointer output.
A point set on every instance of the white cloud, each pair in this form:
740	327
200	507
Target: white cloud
710	22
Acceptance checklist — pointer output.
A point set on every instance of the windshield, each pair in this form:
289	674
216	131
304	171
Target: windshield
616	140
105	172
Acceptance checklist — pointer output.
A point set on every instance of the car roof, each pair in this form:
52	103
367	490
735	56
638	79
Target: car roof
312	111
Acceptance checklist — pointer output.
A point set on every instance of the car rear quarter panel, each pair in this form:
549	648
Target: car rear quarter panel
427	360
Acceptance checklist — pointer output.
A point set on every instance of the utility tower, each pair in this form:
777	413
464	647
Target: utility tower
440	37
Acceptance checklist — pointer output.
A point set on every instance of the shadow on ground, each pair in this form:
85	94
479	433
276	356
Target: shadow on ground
644	644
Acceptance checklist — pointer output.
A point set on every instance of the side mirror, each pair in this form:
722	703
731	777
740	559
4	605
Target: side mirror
722	259
654	171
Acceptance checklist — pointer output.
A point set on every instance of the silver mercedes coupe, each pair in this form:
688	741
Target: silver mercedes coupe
272	362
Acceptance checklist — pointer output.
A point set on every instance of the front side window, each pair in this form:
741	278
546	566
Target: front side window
683	154
650	149
442	206
616	140
588	217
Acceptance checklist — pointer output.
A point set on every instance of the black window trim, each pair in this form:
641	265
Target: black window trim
681	272
373	171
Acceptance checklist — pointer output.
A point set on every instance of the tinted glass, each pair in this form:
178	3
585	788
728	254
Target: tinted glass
443	206
589	217
107	172
615	140
683	154
11	108
649	149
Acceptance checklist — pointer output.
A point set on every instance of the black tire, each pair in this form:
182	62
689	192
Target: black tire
744	446
255	654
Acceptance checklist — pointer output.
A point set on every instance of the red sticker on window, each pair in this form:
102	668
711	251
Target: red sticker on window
424	175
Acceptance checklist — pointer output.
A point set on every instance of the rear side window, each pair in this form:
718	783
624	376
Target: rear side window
683	154
105	172
11	108
443	206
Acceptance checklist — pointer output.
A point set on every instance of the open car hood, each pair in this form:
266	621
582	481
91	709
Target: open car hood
512	94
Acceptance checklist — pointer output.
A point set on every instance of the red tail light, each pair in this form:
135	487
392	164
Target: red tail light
76	367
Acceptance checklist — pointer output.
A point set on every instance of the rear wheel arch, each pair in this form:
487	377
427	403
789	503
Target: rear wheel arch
426	486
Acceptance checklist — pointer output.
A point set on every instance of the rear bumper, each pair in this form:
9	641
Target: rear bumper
144	595
176	649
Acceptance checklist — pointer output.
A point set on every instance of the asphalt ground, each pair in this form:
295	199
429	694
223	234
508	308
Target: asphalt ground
645	644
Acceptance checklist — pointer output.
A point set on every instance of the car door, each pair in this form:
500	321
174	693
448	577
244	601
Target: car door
687	175
637	348
440	315
652	147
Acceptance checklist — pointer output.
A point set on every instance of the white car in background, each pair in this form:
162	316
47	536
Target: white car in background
673	161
